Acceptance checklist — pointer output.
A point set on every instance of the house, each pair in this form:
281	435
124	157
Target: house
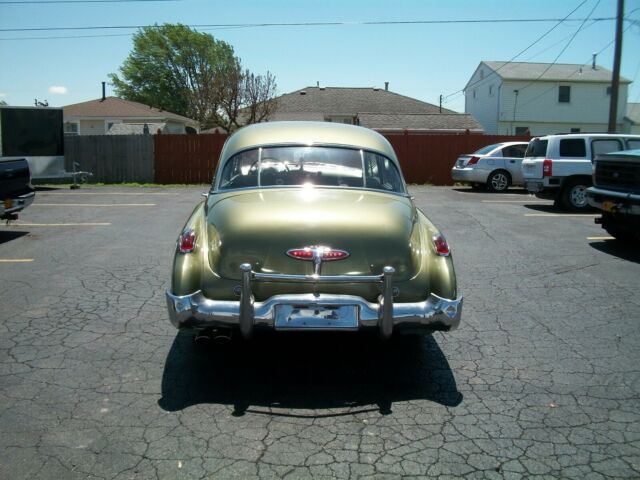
632	119
101	116
375	108
518	98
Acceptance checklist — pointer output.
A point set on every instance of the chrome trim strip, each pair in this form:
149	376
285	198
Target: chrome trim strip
281	277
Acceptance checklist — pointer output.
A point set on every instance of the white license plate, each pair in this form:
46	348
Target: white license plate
299	317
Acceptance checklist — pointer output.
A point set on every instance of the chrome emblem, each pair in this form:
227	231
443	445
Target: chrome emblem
316	254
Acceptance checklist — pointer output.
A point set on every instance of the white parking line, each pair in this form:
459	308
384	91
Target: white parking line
95	224
107	193
94	204
585	215
16	260
600	238
516	201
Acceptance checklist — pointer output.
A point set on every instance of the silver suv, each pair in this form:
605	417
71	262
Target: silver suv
559	167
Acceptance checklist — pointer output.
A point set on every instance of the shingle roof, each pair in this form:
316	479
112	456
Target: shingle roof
115	107
351	101
286	116
555	72
135	128
420	121
633	112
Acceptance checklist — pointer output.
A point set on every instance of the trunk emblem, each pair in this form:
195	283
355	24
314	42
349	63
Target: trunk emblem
317	254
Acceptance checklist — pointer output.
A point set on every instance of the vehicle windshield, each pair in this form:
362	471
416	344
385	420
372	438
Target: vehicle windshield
487	149
318	166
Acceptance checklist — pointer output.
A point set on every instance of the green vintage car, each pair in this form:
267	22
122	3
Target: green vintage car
309	226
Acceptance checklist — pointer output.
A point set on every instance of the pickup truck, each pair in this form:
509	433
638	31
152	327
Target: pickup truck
558	167
616	192
16	191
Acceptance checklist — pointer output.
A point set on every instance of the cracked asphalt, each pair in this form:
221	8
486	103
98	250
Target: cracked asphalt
541	380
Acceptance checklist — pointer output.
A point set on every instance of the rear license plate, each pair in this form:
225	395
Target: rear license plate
607	206
316	317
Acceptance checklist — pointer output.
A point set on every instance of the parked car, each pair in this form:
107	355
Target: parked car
496	167
559	167
16	191
616	192
309	226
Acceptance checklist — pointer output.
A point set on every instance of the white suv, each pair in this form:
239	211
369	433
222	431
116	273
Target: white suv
559	167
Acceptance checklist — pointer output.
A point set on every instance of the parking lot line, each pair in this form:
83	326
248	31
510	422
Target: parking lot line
107	193
94	224
515	201
600	238
94	204
585	215
16	260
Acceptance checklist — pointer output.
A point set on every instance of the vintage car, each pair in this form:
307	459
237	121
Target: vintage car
309	226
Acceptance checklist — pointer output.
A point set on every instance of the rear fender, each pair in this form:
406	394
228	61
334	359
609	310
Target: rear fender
187	267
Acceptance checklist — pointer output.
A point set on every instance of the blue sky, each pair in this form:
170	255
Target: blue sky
421	61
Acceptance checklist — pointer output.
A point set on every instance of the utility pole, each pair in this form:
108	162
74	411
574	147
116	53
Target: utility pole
615	80
440	103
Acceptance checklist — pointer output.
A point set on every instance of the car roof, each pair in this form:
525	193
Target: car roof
586	135
306	133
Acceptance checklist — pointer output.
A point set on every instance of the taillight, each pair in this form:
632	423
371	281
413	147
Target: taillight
187	241
472	161
547	168
327	254
440	245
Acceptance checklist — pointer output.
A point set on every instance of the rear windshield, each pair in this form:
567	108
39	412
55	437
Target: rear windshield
487	149
303	166
537	148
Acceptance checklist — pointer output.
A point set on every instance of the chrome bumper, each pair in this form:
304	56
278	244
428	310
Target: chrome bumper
16	204
196	311
618	202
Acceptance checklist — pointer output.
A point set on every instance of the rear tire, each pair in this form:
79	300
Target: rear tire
574	195
498	181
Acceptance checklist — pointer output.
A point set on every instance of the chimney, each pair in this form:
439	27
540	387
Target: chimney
593	64
104	90
386	86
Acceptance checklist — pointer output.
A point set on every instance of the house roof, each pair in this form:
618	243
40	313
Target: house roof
633	113
135	128
114	107
551	72
420	121
327	101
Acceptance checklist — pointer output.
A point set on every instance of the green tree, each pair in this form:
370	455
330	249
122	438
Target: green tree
175	68
2	102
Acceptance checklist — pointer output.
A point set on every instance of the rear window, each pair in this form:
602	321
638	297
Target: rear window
573	147
537	148
487	149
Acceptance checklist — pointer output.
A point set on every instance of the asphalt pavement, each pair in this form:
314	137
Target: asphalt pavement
541	380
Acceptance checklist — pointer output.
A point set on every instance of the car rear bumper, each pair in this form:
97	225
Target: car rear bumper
472	175
314	311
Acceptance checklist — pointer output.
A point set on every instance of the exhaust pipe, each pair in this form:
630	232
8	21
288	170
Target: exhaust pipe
205	337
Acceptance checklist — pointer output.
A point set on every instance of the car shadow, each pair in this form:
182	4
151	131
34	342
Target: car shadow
617	249
326	374
546	208
7	236
513	190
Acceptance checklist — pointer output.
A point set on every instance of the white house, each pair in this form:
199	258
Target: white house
517	98
632	120
118	116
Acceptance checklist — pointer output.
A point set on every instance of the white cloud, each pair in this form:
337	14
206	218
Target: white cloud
58	90
2	95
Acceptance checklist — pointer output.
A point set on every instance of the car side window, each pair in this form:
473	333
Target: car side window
381	173
605	146
514	151
633	144
241	171
573	147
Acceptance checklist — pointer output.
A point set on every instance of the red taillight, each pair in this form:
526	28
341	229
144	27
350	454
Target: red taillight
472	161
440	245
327	254
187	241
547	168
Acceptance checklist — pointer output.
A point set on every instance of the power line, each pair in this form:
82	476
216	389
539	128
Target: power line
494	72
311	24
44	2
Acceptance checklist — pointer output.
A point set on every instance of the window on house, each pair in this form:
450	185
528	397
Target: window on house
490	90
474	93
481	74
573	147
522	131
70	128
564	94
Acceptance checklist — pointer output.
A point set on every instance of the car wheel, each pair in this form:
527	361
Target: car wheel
574	195
498	181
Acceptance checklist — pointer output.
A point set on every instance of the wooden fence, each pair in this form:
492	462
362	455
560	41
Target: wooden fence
424	158
111	158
